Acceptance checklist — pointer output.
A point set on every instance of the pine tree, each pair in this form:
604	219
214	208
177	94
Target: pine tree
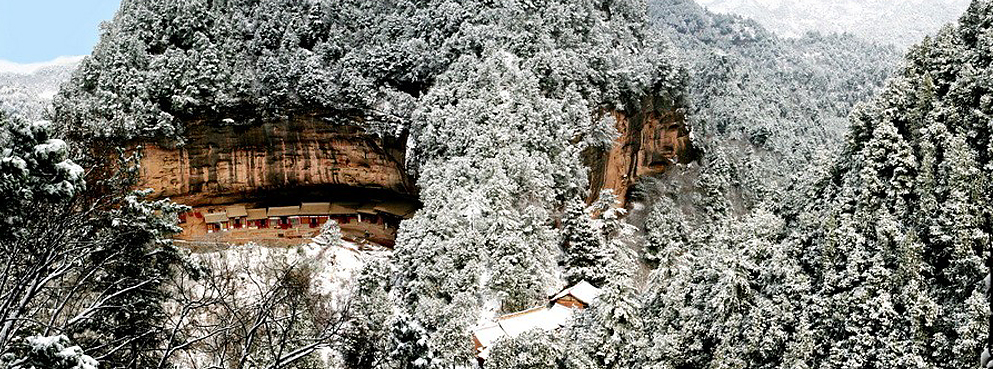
586	254
535	349
55	352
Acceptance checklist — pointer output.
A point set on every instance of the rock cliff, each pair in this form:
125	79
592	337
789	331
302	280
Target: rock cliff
306	157
222	164
650	141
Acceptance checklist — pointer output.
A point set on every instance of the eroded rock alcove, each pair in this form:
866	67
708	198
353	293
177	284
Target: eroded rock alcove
221	164
650	142
244	181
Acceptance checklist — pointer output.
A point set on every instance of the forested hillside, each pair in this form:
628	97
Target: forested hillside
499	100
161	65
28	90
837	213
879	263
898	23
766	112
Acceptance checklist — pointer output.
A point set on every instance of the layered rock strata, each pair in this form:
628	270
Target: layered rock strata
221	164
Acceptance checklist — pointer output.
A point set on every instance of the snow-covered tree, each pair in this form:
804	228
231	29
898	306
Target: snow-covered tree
881	261
35	169
86	256
535	349
54	352
367	336
595	238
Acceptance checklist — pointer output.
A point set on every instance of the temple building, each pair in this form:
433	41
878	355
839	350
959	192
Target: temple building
294	224
549	317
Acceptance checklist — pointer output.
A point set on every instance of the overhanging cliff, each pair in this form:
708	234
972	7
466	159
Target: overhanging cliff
650	142
222	164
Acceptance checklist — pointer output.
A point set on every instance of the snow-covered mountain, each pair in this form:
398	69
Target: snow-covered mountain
28	89
897	22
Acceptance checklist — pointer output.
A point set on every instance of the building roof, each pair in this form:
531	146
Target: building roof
545	318
284	211
512	325
400	209
215	217
315	208
256	214
336	209
236	211
488	334
367	209
582	291
537	318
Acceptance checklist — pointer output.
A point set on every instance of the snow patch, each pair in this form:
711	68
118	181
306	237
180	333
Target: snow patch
74	170
47	94
50	147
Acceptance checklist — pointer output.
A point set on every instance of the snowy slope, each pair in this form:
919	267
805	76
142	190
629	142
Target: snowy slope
901	22
28	89
62	62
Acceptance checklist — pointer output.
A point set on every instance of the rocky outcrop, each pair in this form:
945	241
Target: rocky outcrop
305	158
222	164
650	142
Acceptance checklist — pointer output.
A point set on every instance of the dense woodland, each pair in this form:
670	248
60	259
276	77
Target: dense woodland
902	23
838	215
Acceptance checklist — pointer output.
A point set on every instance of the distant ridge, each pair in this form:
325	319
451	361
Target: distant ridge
27	89
9	67
899	23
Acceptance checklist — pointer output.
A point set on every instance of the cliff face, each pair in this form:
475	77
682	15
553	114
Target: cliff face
226	164
650	142
307	158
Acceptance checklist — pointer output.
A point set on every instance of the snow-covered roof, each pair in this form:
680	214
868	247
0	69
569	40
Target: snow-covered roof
527	320
512	325
582	291
560	314
488	334
216	217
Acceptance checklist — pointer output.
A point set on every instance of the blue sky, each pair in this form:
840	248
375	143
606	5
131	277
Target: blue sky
40	30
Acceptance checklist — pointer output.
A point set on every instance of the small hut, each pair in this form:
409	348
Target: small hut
256	218
549	317
216	222
236	215
315	214
579	295
284	216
